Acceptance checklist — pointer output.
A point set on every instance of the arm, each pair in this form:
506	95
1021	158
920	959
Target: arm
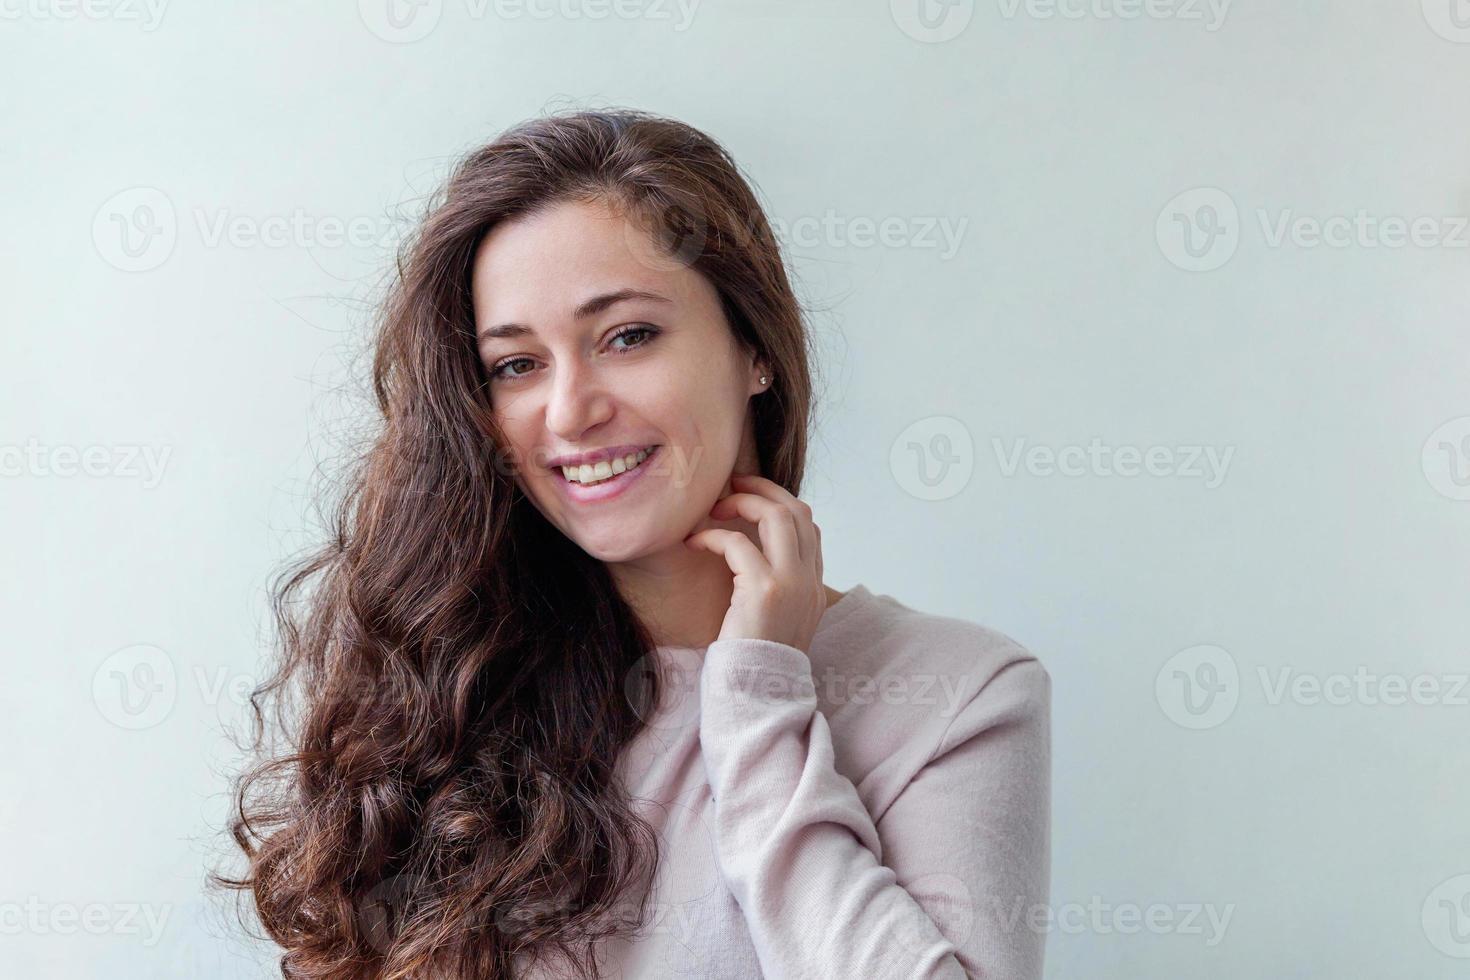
968	852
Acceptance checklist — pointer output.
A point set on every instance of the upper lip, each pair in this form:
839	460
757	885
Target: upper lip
606	454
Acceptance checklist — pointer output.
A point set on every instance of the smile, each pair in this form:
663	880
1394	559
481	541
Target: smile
605	479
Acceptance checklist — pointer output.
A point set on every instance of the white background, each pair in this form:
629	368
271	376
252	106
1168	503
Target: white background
1069	153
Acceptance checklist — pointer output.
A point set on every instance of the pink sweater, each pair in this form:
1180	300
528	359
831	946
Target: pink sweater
878	809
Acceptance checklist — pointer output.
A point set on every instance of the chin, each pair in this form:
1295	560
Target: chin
621	542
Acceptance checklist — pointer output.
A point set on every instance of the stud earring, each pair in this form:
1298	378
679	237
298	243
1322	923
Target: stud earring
764	379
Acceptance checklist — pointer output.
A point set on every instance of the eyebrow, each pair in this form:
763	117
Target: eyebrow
591	307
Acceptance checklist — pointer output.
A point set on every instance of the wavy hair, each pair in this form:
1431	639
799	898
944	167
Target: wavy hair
451	675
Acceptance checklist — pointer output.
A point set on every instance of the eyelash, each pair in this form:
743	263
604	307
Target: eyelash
643	328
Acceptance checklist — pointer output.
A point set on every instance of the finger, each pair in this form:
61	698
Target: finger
818	550
779	533
799	508
809	535
739	552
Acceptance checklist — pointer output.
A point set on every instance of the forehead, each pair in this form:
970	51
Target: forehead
544	264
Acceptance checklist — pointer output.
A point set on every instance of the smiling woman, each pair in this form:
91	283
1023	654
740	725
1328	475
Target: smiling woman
595	356
494	769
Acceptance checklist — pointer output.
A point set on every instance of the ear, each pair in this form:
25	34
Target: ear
759	370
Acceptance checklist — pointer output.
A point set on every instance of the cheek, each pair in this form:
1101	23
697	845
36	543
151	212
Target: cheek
514	456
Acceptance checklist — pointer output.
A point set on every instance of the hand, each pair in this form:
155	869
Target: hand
778	592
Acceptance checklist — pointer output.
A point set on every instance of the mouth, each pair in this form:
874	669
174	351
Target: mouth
603	480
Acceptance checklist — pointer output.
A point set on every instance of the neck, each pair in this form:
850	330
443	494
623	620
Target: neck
682	597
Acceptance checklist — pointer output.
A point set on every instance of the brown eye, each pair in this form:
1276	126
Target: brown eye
499	371
637	329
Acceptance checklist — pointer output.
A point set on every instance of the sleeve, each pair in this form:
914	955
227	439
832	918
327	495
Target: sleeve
967	838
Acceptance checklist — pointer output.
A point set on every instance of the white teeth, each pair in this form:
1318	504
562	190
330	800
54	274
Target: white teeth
595	472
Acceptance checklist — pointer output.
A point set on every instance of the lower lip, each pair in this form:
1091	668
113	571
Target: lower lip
607	489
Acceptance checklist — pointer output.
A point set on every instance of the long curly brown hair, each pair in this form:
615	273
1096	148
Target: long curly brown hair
451	685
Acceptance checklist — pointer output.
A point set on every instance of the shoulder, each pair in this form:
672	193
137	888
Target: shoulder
943	676
883	633
902	687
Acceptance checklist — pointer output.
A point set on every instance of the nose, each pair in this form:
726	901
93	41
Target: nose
577	402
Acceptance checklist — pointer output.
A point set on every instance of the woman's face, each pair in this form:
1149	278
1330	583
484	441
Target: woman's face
578	364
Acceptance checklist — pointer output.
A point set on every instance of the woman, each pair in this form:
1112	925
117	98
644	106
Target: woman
569	696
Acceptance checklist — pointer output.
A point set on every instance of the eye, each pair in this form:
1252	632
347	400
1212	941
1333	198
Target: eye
644	329
643	333
498	371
